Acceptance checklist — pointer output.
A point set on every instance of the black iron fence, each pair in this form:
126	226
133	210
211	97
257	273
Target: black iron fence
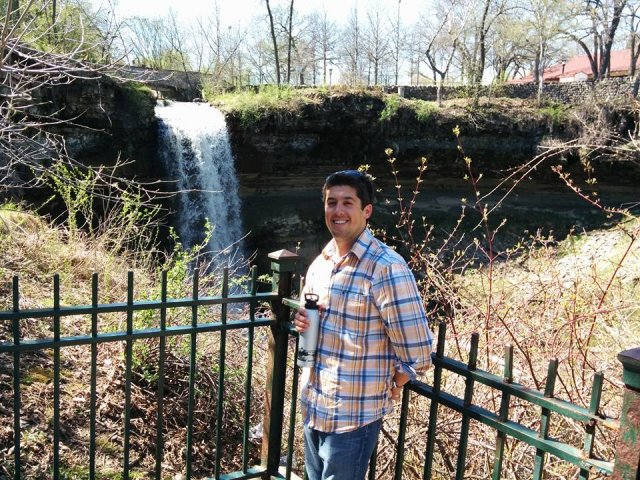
203	320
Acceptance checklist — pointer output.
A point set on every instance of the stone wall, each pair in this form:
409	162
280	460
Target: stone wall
187	86
172	84
572	92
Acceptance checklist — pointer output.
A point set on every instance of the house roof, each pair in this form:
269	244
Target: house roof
619	66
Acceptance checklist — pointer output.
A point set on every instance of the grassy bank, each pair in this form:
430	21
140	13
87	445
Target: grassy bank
254	104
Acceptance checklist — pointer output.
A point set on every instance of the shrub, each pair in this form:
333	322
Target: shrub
392	104
578	302
555	112
424	110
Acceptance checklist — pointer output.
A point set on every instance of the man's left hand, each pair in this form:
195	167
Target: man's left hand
399	379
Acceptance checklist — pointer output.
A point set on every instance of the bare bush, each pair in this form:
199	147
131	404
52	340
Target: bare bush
575	301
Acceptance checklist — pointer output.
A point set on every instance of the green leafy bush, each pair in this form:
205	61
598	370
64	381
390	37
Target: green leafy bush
392	104
555	112
424	110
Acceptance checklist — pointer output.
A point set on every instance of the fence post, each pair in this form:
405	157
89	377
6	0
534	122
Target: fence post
283	264
627	462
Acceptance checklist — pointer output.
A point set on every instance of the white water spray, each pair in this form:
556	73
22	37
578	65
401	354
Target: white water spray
194	147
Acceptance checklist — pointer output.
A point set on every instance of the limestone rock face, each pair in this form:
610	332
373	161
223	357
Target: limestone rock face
106	121
347	130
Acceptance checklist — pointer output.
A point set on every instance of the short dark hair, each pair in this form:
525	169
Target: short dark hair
360	181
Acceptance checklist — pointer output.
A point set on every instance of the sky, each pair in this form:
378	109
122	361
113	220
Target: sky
240	11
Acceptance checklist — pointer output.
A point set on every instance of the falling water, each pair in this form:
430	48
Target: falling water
194	148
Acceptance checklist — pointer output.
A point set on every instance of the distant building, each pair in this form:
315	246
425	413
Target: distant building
578	69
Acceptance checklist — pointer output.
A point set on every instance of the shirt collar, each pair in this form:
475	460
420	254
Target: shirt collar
359	247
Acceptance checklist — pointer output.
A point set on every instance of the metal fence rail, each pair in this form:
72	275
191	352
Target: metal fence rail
17	347
626	465
583	459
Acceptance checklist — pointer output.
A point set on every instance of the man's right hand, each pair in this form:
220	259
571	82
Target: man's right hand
300	320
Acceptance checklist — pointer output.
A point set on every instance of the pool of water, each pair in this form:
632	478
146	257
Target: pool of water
293	219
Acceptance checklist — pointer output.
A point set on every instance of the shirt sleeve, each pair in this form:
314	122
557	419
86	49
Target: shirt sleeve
402	312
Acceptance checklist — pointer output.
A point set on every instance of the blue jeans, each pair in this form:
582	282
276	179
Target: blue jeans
339	456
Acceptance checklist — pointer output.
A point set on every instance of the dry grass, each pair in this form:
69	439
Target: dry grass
36	251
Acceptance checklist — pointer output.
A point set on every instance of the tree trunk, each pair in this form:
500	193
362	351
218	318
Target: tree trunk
605	59
482	45
14	10
397	43
275	43
635	52
290	42
540	62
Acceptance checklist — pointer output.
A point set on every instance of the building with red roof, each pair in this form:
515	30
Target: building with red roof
578	69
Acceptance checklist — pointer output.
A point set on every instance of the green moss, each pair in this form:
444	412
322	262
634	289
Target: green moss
108	447
424	110
392	104
78	473
38	375
137	95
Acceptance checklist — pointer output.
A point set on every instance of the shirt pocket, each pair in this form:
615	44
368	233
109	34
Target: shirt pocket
358	321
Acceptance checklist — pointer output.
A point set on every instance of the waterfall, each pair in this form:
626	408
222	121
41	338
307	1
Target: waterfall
195	150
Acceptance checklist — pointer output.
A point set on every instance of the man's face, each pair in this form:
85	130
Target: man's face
343	213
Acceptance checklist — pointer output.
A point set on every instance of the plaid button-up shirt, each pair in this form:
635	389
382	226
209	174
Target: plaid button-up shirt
373	324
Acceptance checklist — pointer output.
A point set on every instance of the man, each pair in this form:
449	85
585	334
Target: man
373	338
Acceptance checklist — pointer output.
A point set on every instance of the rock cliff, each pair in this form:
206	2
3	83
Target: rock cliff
104	120
282	160
347	131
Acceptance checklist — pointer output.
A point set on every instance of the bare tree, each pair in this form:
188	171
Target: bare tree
508	47
377	44
351	49
633	18
481	18
289	42
109	28
275	42
439	37
217	50
596	22
158	43
397	42
259	52
321	40
177	42
148	43
542	20
27	145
